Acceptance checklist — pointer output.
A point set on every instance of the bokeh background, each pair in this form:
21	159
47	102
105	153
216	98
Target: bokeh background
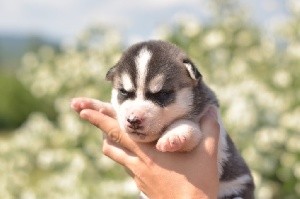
51	51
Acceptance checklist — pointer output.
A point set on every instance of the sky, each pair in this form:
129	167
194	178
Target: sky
64	19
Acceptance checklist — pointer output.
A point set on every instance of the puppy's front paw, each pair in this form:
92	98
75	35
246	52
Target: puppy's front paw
171	143
183	135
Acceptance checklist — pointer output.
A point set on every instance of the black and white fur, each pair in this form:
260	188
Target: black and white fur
159	95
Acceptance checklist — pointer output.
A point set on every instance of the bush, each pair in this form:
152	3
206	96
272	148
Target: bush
17	103
254	78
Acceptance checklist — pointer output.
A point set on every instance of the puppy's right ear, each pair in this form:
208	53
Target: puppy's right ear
110	74
192	70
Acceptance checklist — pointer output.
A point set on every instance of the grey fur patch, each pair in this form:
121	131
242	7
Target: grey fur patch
235	166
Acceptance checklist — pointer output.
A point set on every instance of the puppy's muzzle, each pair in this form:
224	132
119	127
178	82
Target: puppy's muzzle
134	122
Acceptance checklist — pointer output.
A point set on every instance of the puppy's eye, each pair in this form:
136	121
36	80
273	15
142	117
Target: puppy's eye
125	93
163	97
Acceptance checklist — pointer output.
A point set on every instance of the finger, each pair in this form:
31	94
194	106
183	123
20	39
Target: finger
107	124
76	103
119	154
108	110
81	103
110	127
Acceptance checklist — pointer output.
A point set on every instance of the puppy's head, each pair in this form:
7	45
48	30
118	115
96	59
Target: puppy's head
152	86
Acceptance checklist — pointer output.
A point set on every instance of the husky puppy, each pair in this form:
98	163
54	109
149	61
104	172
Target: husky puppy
159	95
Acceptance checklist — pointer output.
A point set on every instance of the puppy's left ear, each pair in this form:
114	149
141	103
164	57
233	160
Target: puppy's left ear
110	74
192	70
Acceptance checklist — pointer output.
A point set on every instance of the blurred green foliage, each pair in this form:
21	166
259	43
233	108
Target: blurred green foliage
17	103
254	75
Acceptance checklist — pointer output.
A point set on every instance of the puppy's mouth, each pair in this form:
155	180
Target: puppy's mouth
139	134
136	130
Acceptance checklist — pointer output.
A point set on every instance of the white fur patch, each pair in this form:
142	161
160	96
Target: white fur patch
141	62
156	84
182	105
114	99
233	186
127	83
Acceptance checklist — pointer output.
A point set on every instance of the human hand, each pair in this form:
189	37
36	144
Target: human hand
159	175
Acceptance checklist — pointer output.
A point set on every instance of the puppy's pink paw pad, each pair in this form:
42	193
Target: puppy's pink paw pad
171	144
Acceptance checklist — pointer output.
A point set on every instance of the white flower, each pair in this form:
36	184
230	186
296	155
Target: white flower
213	39
293	143
265	191
77	163
291	120
191	28
28	194
45	159
294	50
240	113
282	78
239	68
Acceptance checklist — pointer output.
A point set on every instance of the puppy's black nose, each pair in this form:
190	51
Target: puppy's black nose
134	120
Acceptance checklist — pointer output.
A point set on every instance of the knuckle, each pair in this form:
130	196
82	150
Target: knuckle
115	135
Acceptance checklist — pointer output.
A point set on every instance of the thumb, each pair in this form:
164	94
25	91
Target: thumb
211	130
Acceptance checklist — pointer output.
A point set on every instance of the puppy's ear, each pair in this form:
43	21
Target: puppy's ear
192	70
110	74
